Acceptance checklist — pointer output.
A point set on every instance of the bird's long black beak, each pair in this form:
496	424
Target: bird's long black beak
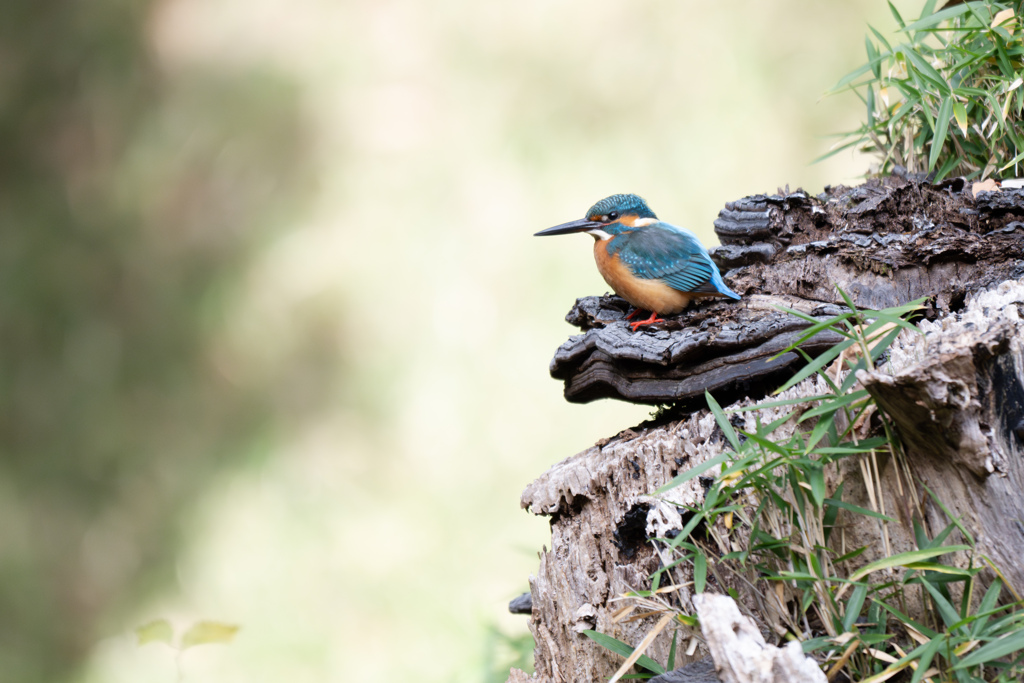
580	225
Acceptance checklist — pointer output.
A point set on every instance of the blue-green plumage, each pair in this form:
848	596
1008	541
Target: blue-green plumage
655	266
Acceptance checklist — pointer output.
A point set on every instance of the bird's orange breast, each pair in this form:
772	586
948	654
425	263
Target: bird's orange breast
650	295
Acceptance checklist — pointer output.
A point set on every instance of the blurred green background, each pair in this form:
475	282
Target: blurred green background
275	332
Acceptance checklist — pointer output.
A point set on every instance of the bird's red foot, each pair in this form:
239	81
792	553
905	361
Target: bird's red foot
650	321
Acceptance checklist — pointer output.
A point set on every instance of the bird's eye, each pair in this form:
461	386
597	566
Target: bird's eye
613	215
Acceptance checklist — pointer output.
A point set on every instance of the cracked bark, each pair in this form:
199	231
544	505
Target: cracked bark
957	395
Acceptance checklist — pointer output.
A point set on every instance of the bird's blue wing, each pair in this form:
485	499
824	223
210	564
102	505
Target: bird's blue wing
664	252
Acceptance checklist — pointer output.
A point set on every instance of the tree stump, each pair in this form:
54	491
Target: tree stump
957	395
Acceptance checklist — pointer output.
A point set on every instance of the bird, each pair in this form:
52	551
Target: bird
654	265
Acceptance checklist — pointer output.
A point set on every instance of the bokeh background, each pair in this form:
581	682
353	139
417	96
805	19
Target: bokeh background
274	333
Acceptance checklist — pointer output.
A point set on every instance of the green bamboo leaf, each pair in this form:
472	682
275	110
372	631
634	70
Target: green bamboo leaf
881	38
621	648
935	19
941	126
157	631
902	559
816	365
1008	644
987	604
816	478
940	569
873	60
700	572
854	605
694	472
849	78
948	165
207	633
931	647
833	502
946	610
896	15
960	114
835	404
926	70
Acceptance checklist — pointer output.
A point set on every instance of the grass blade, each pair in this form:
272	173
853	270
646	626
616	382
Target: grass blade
624	649
902	559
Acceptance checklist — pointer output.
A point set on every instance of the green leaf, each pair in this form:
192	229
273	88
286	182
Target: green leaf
1008	644
687	530
896	15
722	420
836	404
946	610
816	478
939	569
208	633
873	60
816	365
902	559
689	474
157	631
670	664
881	38
700	572
948	165
960	114
624	649
937	18
949	513
926	658
832	502
941	126
927	70
854	605
987	604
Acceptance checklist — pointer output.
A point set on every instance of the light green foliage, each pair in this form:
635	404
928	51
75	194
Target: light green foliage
199	633
208	633
158	631
503	652
947	96
768	518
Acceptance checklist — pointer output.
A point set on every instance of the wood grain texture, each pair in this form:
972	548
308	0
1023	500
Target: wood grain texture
884	243
957	395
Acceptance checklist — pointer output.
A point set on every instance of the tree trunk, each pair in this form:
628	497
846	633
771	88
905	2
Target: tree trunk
956	396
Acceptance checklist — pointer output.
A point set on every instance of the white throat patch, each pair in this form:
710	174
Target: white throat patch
599	234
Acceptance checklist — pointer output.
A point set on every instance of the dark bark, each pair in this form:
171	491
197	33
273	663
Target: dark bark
956	396
884	244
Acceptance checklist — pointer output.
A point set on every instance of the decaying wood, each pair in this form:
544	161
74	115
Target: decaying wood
602	512
702	671
884	244
740	652
958	405
957	395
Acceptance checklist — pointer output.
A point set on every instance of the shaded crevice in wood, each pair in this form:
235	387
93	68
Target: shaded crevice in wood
884	243
957	396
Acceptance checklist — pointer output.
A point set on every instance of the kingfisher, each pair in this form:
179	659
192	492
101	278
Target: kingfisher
655	266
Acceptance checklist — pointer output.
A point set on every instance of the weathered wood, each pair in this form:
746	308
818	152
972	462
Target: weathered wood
729	349
702	671
957	396
883	243
602	514
959	411
740	652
